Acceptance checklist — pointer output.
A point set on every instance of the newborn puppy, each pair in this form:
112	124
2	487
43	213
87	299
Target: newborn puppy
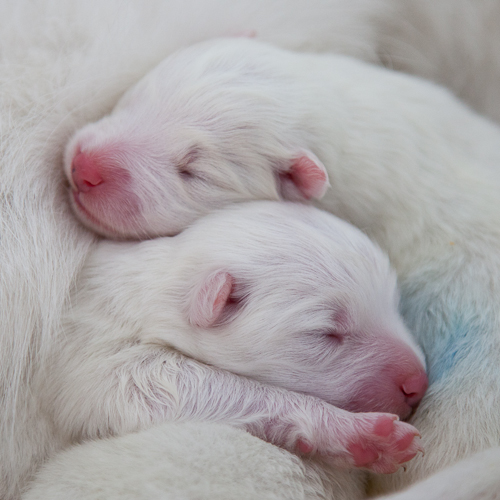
284	294
233	120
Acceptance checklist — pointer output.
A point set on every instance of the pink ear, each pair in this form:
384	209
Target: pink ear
309	175
210	299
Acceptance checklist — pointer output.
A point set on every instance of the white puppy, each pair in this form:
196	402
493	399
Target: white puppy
225	121
236	119
285	294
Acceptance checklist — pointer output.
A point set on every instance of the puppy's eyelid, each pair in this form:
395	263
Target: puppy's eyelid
185	172
335	335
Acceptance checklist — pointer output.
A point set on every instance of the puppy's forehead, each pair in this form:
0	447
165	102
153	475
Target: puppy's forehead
212	64
283	222
277	235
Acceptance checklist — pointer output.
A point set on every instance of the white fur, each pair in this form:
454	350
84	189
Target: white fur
235	120
407	163
313	308
474	478
156	462
454	43
63	64
185	461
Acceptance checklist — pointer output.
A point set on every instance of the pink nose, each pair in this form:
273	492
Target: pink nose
85	172
414	388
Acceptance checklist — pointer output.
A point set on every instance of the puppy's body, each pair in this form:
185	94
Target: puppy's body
188	460
158	461
234	120
406	162
475	477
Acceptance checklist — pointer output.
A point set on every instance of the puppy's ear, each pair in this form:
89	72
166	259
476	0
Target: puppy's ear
305	177
210	298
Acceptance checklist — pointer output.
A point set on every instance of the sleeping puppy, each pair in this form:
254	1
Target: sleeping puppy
273	298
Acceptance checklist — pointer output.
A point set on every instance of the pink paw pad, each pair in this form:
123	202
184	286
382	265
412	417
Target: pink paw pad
363	456
384	445
384	426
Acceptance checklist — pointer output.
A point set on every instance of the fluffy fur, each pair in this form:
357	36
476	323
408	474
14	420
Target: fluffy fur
474	478
158	463
222	122
65	63
406	162
311	306
183	461
454	43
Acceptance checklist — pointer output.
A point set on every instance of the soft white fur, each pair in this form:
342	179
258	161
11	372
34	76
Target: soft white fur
312	307
223	122
454	43
63	64
406	162
188	461
474	478
169	462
